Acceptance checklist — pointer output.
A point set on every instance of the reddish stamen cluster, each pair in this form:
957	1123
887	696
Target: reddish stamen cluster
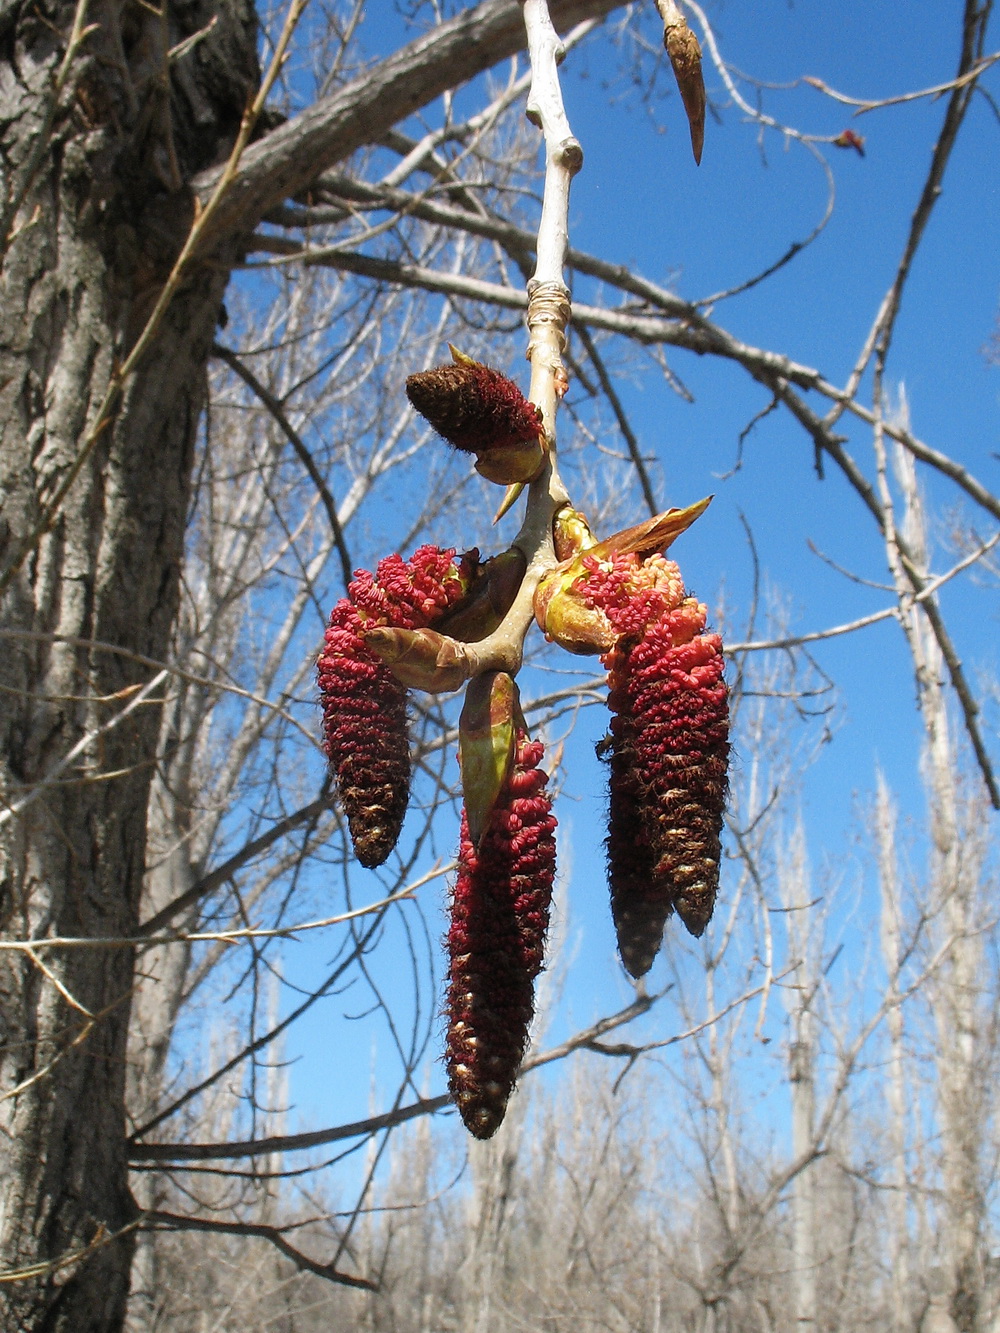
669	755
499	919
364	706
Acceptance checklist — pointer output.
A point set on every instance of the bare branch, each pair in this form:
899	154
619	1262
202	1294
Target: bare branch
298	444
157	1219
330	130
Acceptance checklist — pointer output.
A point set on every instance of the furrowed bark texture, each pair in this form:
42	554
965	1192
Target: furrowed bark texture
98	217
101	223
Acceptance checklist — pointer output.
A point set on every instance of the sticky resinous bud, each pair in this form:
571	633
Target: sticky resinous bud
482	412
487	728
420	659
684	50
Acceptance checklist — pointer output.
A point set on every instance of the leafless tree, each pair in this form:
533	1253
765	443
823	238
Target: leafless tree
187	485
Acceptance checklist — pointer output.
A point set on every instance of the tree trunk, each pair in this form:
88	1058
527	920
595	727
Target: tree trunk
901	1295
103	217
794	886
956	998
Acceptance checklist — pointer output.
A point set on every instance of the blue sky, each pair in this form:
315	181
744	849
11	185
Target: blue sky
641	201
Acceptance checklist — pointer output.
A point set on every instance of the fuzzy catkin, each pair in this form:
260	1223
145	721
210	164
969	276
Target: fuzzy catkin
668	787
364	706
669	752
496	941
473	407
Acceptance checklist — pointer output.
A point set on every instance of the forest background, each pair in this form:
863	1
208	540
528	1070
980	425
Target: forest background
791	1124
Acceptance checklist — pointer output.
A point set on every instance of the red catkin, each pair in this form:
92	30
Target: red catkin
364	706
499	919
669	754
474	407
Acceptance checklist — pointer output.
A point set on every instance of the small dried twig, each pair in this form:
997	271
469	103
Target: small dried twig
887	613
277	411
864	104
158	1220
199	1152
102	1237
200	936
79	33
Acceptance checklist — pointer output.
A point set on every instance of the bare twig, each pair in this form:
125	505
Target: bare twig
876	104
276	409
199	1152
159	1220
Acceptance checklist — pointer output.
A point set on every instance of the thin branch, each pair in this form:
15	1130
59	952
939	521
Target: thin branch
887	613
199	936
277	411
871	104
216	878
624	425
199	1152
158	1220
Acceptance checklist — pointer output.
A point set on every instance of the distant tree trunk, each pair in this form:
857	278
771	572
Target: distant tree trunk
802	1077
102	220
899	1245
955	993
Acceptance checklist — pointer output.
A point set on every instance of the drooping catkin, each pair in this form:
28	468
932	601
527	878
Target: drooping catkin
499	919
364	706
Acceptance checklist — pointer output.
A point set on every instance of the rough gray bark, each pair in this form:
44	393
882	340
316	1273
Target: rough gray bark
98	230
96	222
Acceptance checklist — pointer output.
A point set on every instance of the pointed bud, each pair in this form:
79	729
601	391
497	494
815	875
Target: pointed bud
486	745
571	533
481	411
499	919
685	58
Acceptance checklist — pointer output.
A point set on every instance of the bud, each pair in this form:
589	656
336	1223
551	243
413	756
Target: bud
422	659
483	610
481	411
499	919
571	603
364	706
685	58
486	736
571	533
564	616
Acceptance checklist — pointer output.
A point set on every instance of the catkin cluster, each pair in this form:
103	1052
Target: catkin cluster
668	749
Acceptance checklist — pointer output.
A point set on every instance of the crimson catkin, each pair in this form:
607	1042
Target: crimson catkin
499	919
364	706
